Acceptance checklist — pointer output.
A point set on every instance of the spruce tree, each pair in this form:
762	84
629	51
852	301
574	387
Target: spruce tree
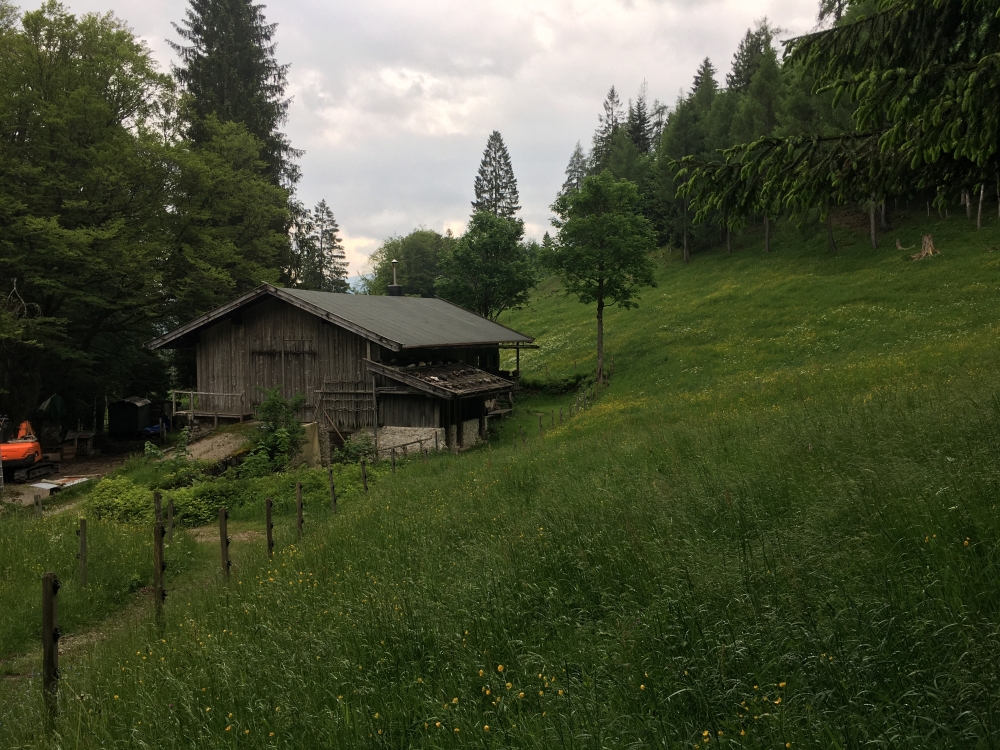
684	136
610	121
832	9
576	170
229	69
637	124
330	269
758	112
319	262
705	88
496	186
748	56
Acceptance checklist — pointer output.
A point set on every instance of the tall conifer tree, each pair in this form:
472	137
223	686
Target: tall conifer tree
748	56
576	170
319	261
611	121
637	124
229	69
496	186
705	88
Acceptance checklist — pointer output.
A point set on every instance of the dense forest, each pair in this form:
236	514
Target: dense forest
132	200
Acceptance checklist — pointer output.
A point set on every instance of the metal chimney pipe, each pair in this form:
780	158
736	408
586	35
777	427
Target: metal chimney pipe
395	290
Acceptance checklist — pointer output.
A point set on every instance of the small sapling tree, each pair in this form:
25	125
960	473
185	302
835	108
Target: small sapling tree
603	247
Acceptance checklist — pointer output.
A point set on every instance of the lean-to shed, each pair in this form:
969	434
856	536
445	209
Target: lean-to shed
405	368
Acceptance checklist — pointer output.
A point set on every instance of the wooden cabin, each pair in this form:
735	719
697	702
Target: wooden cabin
413	372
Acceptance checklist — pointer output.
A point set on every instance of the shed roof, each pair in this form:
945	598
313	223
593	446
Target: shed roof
447	381
394	322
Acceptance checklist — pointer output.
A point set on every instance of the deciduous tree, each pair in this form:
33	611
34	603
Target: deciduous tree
603	247
487	270
417	254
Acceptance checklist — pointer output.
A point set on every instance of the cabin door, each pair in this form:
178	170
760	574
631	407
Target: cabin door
289	365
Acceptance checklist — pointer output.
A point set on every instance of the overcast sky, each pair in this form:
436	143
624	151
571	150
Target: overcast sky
393	100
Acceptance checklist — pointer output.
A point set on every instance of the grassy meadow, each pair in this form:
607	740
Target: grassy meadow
778	528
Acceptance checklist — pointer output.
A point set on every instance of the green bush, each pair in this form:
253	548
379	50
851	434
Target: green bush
120	499
355	448
257	464
199	504
281	433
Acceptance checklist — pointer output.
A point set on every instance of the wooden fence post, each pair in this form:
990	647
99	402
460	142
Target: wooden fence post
333	492
515	442
82	554
159	567
50	638
393	460
541	429
224	541
298	507
270	528
38	506
364	475
552	418
170	520
158	507
560	415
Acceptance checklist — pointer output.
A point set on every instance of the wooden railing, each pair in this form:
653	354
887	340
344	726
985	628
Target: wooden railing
199	403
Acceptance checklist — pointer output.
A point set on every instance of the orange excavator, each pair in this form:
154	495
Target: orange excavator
23	455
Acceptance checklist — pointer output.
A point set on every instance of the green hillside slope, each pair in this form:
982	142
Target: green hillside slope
777	529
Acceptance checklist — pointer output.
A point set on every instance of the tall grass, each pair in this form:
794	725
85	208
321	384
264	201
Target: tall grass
120	562
779	529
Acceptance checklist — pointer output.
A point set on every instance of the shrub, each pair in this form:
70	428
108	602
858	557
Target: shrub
120	499
281	433
355	448
199	504
257	464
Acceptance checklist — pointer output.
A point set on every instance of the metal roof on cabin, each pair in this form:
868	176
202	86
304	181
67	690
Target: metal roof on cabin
412	322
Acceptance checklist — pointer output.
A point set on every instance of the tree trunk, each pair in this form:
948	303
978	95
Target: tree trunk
968	205
729	239
600	335
687	252
767	234
871	216
885	224
979	216
829	233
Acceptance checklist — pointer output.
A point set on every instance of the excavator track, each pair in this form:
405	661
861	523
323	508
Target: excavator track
37	471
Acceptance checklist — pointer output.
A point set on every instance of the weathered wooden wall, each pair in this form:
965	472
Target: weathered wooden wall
276	345
408	411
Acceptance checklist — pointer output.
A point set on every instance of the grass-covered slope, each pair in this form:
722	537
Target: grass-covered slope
778	529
